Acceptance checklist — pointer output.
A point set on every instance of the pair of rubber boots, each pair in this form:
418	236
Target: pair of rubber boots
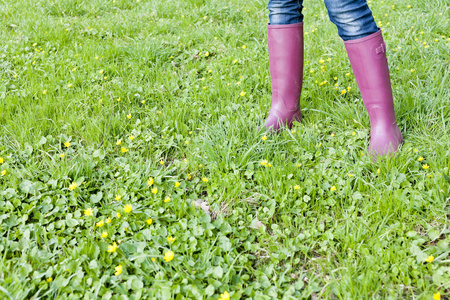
369	63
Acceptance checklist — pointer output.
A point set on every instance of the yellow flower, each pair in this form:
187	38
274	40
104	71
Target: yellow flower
150	181
127	208
429	258
155	190
118	270
425	166
62	155
118	99
149	221
170	239
108	220
235	61
298	165
206	53
333	188
243	47
350	175
101	71
416	150
224	296
264	162
437	296
167	199
67	144
186	142
44	92
204	179
96	57
153	259
168	256
200	166
104	234
112	248
119	142
420	158
69	85
131	137
296	187
118	215
50	279
332	135
118	197
242	94
1	160
88	212
3	173
264	137
378	171
321	61
189	176
177	184
123	149
73	186
100	223
293	131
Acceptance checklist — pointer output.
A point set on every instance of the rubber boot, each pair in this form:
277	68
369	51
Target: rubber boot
286	72
369	63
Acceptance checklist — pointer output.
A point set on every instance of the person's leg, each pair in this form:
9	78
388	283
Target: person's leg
285	42
367	54
283	12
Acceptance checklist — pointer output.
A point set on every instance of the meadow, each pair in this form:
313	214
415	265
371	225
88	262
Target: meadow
133	164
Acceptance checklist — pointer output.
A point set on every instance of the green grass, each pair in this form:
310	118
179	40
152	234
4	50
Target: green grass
252	230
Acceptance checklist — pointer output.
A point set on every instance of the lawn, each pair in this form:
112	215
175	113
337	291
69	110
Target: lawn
133	163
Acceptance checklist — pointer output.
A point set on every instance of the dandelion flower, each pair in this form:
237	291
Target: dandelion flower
101	71
333	188
170	239
100	223
69	85
155	190
161	162
235	61
425	166
131	137
119	142
108	220
118	215
88	212
296	187
243	47
242	94
189	176
153	259
73	186
3	173
168	256
204	179
378	171
224	296
437	296
123	149
150	181
420	158
167	199
67	144
112	248
50	279
44	92
118	197
127	208
104	234
129	116
264	138
149	221
1	160
264	162
118	270
429	258
177	184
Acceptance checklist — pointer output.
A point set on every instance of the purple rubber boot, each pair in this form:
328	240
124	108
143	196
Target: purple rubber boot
369	63
286	73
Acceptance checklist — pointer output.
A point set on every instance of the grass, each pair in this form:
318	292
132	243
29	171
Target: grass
157	104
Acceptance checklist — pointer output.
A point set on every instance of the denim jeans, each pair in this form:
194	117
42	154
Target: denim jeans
353	18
